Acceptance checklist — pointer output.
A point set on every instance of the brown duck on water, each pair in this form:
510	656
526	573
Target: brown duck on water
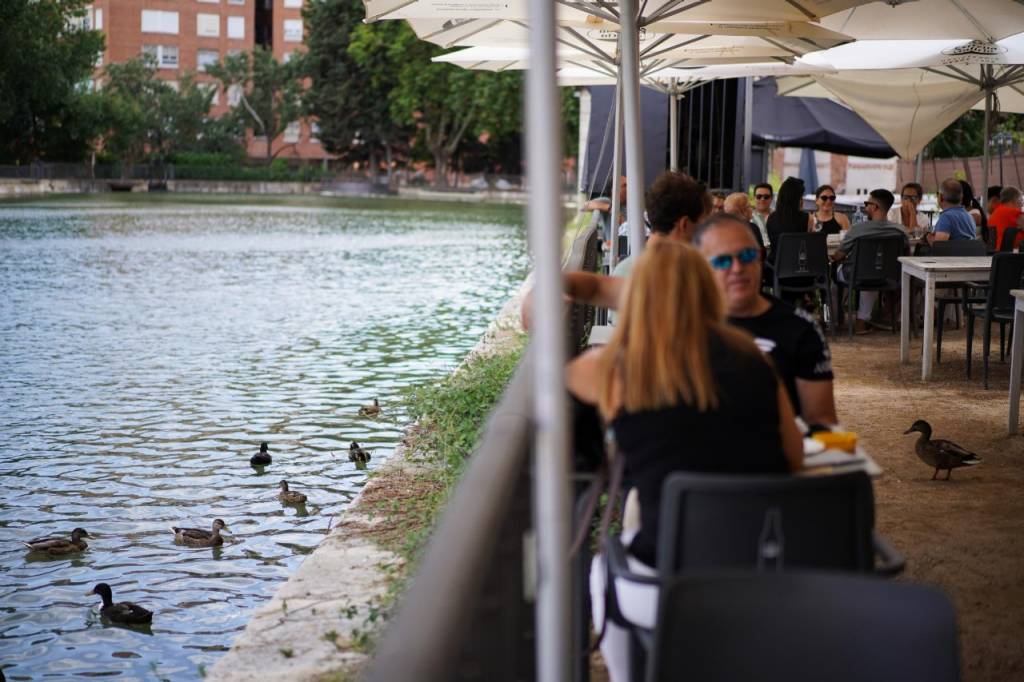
370	410
58	546
941	454
197	537
290	496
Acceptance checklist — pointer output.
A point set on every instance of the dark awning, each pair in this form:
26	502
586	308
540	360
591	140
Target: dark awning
812	122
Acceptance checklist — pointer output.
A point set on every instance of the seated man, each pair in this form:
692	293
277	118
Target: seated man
718	201
787	334
906	213
954	222
1007	215
738	204
876	207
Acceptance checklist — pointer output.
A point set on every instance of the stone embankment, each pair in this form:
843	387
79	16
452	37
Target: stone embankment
317	625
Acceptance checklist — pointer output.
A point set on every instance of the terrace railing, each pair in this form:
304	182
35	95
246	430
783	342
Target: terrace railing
468	613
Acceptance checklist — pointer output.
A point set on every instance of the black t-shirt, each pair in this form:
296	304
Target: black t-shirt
740	436
795	343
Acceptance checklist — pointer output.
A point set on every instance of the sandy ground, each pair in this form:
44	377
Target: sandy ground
965	536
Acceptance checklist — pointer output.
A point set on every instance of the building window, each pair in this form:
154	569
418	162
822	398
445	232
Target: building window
205	58
212	2
208	25
293	30
166	56
292	132
234	95
208	88
293	3
314	132
287	57
98	19
156	21
236	2
236	28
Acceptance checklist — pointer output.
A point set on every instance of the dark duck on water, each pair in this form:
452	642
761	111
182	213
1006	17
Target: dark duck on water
197	537
58	546
124	612
940	454
357	454
261	458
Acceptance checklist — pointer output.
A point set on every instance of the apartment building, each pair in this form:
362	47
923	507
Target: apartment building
187	35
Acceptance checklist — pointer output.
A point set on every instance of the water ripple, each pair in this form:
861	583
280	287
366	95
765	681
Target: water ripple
147	345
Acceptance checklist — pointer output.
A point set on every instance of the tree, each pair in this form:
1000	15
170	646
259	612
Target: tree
444	102
46	55
350	86
269	91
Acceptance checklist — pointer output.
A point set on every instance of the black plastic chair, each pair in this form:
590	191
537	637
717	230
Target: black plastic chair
623	246
803	627
875	266
1009	239
801	267
757	523
957	248
1007	274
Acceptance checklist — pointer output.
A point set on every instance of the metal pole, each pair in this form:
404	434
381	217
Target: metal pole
616	172
673	127
917	167
748	133
629	54
985	153
551	509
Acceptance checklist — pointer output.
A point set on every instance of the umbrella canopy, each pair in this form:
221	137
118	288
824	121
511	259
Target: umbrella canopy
988	20
812	122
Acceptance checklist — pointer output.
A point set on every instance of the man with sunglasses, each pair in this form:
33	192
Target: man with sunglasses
787	334
877	225
906	213
763	195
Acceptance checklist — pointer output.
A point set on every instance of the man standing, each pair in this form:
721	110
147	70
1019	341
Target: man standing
787	334
877	207
907	214
763	195
954	222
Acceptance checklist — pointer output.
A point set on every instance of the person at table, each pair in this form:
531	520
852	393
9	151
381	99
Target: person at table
1007	214
788	215
972	205
825	217
877	225
763	195
682	391
954	222
718	201
738	205
787	334
993	198
906	214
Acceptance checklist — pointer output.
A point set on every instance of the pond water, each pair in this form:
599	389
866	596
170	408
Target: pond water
149	344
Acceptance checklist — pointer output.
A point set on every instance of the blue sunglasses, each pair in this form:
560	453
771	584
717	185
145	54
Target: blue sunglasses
744	256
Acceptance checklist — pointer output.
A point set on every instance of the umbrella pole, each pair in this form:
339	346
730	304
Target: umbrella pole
616	210
629	55
551	508
985	154
673	128
748	122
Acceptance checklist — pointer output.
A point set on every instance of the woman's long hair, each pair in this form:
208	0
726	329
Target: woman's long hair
790	202
659	353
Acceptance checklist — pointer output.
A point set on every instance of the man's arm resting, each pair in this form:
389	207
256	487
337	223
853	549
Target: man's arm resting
587	287
817	401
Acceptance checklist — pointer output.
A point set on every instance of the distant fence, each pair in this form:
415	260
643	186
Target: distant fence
1008	170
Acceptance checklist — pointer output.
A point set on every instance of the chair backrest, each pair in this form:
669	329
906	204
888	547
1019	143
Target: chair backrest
876	259
1009	239
801	254
771	522
960	248
800	627
1007	274
623	245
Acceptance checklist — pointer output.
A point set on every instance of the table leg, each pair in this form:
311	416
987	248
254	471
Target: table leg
929	328
905	318
1016	348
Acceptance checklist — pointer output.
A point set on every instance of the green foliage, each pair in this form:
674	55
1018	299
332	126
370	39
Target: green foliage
442	101
270	92
571	120
45	58
965	136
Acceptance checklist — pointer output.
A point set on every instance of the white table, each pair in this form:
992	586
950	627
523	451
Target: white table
1016	348
932	271
600	335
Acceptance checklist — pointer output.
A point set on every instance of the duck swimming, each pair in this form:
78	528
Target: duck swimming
941	454
290	496
261	458
58	546
370	410
357	454
197	537
122	612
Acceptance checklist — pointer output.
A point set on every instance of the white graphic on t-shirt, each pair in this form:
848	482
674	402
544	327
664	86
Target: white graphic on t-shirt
766	345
